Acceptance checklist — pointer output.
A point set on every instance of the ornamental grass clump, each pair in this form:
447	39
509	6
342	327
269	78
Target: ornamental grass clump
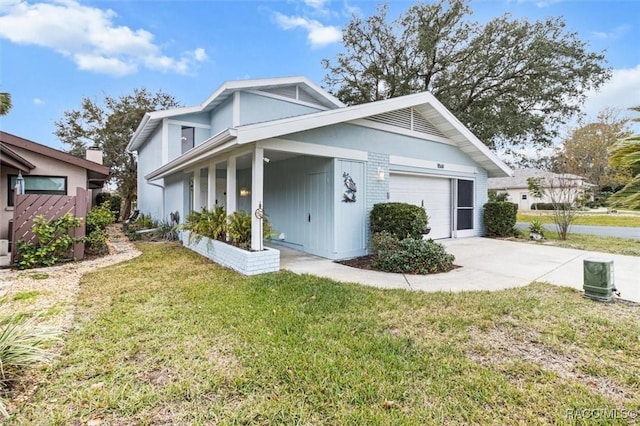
23	344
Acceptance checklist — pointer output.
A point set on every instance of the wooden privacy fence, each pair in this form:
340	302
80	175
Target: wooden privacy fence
27	207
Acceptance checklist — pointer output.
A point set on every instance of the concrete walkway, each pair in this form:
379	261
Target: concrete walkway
486	264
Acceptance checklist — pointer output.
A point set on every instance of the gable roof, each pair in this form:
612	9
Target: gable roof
152	119
7	141
434	111
520	176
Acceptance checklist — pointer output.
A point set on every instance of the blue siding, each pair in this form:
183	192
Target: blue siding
373	140
150	196
349	228
287	201
174	195
257	109
222	117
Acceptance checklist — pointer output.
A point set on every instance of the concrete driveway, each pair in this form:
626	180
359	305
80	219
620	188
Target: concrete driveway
486	264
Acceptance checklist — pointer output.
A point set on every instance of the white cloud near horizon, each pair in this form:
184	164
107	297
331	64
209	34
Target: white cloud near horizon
90	37
38	101
318	35
613	34
622	92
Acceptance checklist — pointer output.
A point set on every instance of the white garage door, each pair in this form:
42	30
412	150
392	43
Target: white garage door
435	193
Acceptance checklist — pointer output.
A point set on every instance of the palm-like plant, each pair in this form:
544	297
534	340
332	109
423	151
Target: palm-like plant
625	154
5	103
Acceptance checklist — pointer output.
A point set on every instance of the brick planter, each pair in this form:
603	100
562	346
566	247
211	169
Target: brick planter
243	261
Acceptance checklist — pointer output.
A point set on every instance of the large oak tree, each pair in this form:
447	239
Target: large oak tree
109	126
511	81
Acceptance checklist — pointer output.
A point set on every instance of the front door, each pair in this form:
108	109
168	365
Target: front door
317	225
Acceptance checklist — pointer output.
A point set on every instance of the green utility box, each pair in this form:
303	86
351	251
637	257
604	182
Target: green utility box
598	279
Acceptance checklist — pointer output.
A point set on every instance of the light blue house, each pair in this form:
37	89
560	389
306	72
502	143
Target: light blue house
315	165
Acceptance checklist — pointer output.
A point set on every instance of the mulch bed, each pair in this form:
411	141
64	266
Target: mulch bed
362	262
365	262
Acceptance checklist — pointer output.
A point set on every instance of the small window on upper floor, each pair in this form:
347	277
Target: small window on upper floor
188	138
524	196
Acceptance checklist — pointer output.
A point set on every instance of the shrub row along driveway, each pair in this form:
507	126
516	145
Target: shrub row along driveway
169	338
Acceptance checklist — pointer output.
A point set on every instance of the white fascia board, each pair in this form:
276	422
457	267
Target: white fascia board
206	149
299	123
313	149
132	145
462	129
395	160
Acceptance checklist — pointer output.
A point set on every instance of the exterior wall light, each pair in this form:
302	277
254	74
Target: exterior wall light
244	192
380	174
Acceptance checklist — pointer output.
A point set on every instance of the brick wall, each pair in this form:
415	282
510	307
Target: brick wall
377	190
243	261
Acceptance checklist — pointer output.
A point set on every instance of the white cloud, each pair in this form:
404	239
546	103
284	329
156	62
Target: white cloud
316	4
319	35
89	36
622	91
38	101
614	34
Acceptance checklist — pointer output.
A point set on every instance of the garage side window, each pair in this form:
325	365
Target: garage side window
51	185
464	209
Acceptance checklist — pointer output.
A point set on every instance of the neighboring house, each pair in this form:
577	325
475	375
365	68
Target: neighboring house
45	171
517	186
315	165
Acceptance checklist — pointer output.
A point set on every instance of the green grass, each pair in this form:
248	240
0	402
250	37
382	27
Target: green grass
585	218
25	295
614	245
169	338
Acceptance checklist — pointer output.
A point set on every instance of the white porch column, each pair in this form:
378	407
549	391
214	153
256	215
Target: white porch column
231	185
211	188
257	176
197	203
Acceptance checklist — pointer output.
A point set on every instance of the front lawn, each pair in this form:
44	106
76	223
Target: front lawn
170	338
614	245
629	219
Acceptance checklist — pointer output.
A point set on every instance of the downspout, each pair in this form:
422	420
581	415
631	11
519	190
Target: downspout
159	185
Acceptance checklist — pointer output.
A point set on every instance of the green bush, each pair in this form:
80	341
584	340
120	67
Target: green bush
167	230
98	218
399	219
495	196
114	200
142	222
410	255
52	244
500	218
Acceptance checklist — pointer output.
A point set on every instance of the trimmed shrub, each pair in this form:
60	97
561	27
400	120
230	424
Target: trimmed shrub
500	218
400	219
102	197
550	206
410	255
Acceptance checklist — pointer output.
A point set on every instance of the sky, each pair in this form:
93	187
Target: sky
54	53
